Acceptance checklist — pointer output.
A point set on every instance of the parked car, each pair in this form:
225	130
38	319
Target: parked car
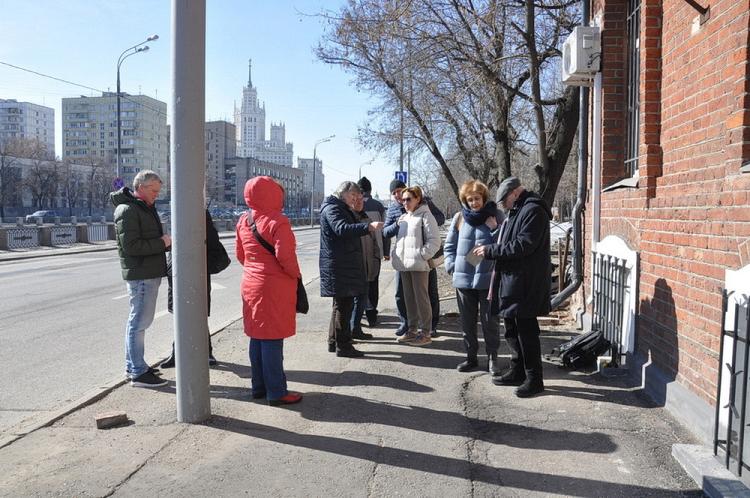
46	216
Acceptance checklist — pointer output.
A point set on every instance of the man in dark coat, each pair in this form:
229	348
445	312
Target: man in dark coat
521	282
376	212
390	230
342	271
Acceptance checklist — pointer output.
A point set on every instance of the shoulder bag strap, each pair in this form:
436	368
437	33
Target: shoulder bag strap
260	239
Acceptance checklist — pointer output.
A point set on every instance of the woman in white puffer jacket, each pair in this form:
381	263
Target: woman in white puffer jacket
417	241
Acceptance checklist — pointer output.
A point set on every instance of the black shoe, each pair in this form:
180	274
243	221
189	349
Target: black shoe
147	380
509	378
433	333
362	336
331	347
468	365
401	330
349	352
211	360
372	318
259	395
493	366
168	363
529	389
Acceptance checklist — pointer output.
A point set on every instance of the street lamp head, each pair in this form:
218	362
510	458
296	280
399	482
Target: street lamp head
152	38
142	49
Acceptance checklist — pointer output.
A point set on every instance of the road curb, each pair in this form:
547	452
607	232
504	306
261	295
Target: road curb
92	396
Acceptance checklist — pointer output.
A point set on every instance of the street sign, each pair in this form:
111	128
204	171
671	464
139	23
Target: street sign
402	176
118	183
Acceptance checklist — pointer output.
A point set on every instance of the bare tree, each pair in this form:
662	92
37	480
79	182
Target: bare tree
71	185
10	174
465	75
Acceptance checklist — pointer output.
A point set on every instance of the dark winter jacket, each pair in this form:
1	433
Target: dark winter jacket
139	244
396	209
342	270
522	260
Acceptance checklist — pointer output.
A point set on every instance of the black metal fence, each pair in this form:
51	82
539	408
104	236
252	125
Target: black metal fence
609	289
734	364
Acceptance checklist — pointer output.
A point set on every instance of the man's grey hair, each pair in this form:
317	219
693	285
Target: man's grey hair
347	187
145	176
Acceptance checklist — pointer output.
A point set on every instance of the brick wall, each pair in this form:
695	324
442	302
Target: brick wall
689	218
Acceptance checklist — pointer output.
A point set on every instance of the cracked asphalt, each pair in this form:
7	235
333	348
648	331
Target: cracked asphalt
399	422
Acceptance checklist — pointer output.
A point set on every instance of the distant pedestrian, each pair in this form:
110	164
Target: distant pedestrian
417	240
522	280
375	212
476	224
141	244
390	229
216	261
269	287
342	271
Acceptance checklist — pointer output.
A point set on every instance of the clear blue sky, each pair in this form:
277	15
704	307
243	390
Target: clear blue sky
80	41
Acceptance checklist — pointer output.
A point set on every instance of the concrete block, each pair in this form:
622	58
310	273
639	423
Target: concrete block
107	420
705	469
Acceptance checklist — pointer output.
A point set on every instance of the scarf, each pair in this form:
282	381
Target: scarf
476	218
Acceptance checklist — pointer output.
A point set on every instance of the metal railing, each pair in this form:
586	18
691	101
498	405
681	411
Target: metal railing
19	238
97	232
609	286
733	362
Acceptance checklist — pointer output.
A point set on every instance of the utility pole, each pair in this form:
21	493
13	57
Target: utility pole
188	229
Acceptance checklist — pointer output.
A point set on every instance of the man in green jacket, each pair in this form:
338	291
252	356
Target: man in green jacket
142	245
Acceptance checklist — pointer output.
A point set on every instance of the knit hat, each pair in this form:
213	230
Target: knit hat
396	184
509	185
365	184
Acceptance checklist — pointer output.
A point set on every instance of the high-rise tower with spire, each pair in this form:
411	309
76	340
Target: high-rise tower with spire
250	121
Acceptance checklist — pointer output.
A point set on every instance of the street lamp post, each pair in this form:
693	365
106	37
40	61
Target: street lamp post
359	173
312	194
124	55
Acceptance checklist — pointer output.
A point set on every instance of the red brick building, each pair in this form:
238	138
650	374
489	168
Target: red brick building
673	118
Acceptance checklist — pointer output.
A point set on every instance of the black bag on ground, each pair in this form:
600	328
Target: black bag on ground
583	350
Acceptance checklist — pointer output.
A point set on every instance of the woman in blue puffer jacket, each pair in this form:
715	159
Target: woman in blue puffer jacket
477	224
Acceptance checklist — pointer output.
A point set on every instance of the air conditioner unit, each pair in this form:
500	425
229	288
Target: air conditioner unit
581	56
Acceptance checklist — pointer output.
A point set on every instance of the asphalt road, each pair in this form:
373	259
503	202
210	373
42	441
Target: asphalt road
63	319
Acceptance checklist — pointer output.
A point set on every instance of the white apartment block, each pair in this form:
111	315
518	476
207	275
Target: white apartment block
313	179
24	120
90	130
220	145
250	122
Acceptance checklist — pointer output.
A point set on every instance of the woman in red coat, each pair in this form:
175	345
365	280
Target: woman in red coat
269	287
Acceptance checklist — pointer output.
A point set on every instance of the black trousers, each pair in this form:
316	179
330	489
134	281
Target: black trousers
339	330
373	296
522	335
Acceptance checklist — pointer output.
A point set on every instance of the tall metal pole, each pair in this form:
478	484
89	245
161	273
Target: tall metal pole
118	120
124	55
312	194
188	228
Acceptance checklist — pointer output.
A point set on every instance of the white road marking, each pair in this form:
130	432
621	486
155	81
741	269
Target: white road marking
216	286
120	297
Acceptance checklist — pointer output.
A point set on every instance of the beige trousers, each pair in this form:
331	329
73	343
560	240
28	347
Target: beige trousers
417	298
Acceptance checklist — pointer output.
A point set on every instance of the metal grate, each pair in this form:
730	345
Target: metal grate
19	238
62	236
733	361
610	282
96	232
633	90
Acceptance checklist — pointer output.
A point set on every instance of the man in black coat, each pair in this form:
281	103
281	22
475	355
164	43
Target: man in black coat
342	270
521	282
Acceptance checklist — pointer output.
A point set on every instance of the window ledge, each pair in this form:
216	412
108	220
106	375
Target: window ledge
631	182
745	168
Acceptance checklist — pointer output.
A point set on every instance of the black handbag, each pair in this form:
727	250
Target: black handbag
303	306
218	259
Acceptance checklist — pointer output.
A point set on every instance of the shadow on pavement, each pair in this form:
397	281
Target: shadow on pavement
454	467
354	378
341	408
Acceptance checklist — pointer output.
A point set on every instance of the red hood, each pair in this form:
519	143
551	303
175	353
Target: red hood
263	194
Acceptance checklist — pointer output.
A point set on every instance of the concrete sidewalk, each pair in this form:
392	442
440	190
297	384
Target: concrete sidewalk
401	421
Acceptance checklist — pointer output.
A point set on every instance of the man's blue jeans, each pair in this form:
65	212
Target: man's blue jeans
143	295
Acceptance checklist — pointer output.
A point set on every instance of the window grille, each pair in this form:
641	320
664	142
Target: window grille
633	86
